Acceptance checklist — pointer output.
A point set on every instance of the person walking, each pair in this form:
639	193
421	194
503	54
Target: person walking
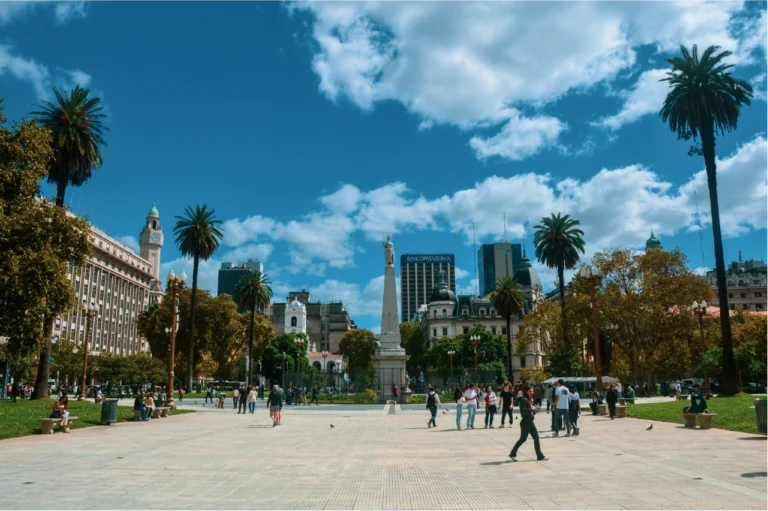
459	408
527	427
304	395
242	398
251	399
181	394
275	405
433	403
395	392
490	407
471	396
561	408
15	392
315	396
506	404
611	397
235	398
574	410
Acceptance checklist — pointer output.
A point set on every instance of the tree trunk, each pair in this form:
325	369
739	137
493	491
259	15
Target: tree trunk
250	347
191	350
729	365
566	347
61	189
509	349
44	362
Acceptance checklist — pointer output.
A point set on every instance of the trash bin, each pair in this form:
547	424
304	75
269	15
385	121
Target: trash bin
761	409
109	411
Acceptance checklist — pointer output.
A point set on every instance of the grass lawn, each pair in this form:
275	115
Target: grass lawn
23	417
735	413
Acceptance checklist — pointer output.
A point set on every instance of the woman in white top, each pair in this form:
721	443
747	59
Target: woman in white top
490	406
251	399
471	396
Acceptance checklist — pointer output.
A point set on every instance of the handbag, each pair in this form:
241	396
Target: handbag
55	415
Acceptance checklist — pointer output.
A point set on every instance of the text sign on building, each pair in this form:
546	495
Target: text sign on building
428	259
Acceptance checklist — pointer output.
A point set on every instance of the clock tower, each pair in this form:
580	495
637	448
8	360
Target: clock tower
151	243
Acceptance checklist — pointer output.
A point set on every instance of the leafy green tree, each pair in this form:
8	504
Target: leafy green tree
197	235
706	99
491	349
253	292
67	362
152	323
272	357
75	123
508	300
358	347
558	243
226	335
37	242
413	341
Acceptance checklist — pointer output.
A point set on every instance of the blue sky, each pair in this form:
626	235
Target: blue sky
317	129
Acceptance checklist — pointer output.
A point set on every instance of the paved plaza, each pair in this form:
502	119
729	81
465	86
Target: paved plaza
373	458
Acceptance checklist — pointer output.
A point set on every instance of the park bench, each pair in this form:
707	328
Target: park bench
48	424
137	415
621	411
627	401
705	420
98	400
602	409
160	411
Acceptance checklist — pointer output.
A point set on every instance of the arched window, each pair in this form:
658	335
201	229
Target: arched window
445	313
493	313
317	365
465	311
154	224
293	321
434	313
330	367
482	313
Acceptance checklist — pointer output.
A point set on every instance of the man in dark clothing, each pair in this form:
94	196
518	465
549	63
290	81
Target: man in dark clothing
15	391
506	403
275	405
138	405
314	396
243	400
527	427
597	399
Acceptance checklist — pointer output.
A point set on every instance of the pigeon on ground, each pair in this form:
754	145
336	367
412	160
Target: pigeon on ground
444	412
649	427
333	426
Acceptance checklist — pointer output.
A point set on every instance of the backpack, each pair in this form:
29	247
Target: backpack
431	401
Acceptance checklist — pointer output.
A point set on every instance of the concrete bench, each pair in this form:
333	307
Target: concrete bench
621	411
137	415
98	400
49	424
602	409
705	420
627	401
160	411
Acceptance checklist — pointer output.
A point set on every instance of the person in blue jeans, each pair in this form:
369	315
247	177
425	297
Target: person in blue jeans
433	403
138	405
459	410
561	408
471	396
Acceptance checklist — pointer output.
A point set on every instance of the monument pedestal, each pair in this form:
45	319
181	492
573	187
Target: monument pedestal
390	369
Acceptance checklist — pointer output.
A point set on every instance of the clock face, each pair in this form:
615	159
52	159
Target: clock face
155	237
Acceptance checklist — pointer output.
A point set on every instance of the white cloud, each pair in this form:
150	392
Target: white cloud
467	64
470	289
758	83
26	70
237	232
359	301
344	201
130	241
69	79
259	252
318	236
63	11
461	274
645	97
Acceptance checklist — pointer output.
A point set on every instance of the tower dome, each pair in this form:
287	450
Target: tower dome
653	242
442	293
153	211
526	276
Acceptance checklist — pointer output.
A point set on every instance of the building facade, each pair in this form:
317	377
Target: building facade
418	278
150	245
324	323
449	315
120	285
230	274
746	282
497	260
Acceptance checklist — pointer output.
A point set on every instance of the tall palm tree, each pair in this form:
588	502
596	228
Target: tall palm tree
74	121
75	125
558	243
197	236
253	292
508	299
706	100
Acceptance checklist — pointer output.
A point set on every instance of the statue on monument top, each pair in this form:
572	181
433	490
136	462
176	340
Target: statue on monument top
389	252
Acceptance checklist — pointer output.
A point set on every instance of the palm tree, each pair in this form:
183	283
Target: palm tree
74	121
558	243
705	100
252	292
197	235
508	299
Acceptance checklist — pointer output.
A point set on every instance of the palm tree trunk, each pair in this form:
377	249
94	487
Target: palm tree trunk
729	365
61	189
509	350
250	347
44	363
191	349
566	347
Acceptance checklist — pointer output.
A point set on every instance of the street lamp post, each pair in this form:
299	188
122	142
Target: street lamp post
175	285
89	315
283	369
593	276
325	370
451	353
475	340
299	347
700	309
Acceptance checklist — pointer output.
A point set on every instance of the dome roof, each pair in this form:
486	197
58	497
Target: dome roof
442	293
295	304
526	276
653	242
153	211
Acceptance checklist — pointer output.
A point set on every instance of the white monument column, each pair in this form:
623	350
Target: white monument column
390	356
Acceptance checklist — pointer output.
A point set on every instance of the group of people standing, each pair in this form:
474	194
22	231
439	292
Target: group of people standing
245	396
297	395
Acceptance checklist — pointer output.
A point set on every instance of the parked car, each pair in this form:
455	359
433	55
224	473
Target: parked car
754	388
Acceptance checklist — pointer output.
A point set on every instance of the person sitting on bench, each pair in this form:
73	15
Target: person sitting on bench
60	410
698	405
597	399
138	405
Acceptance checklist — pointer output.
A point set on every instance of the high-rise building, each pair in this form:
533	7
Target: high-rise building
324	323
497	260
746	283
230	274
120	285
419	276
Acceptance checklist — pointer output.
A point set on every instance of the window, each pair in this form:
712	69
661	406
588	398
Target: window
730	295
466	329
434	313
464	311
482	313
293	323
758	306
504	330
743	295
445	314
522	361
445	331
493	313
434	333
493	330
757	295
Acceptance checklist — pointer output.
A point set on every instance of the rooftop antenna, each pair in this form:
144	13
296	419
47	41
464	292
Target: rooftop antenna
505	227
474	255
698	220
